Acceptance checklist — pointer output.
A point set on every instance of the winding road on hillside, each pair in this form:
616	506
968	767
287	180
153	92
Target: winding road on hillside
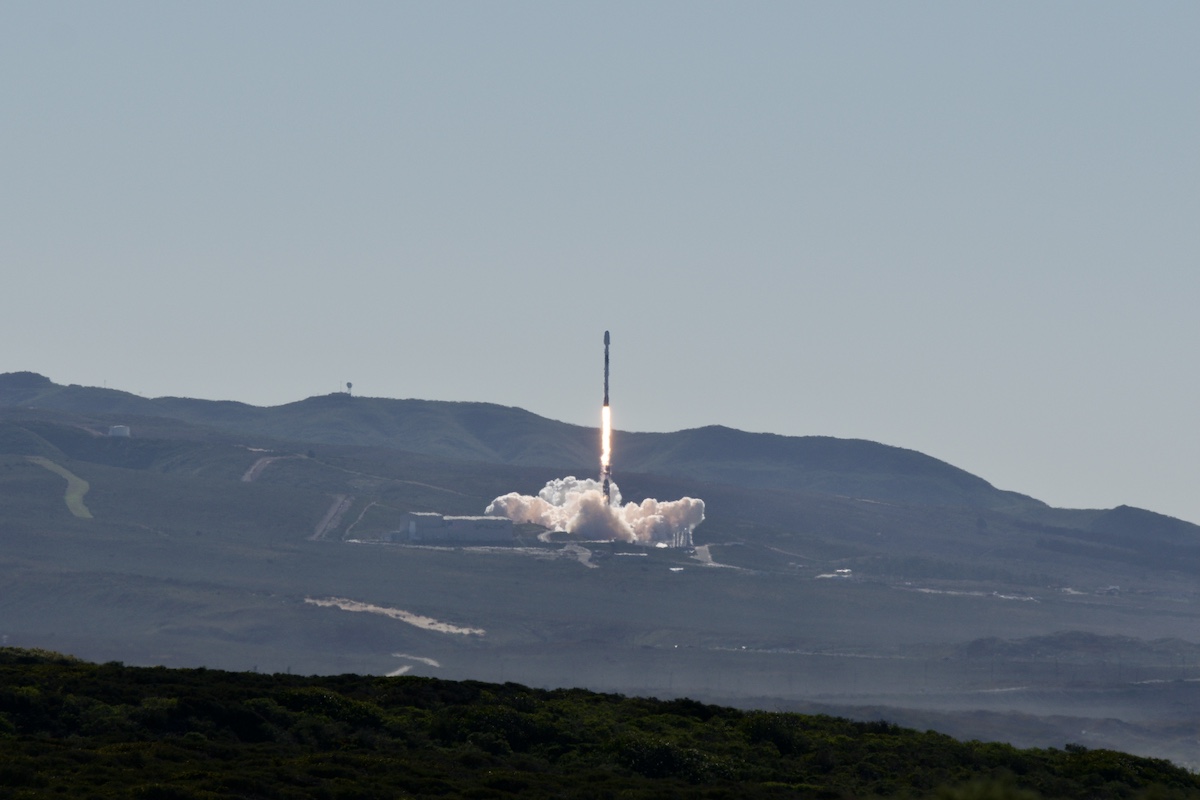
341	504
257	467
77	487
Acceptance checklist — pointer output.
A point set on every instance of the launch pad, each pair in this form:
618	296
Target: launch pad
593	510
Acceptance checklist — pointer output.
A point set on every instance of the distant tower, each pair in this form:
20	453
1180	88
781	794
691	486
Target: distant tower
349	386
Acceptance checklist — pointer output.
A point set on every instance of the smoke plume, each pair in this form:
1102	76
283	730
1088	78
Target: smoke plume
579	507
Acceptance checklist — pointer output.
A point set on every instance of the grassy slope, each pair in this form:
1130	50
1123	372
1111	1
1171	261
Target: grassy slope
194	483
498	434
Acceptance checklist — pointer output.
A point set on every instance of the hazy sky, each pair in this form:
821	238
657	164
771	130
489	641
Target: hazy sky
970	229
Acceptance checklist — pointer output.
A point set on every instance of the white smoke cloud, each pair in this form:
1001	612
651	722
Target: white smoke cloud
578	506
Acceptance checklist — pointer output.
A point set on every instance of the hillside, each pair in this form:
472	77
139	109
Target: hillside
498	434
72	728
198	543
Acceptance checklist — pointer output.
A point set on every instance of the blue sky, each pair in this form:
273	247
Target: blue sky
966	229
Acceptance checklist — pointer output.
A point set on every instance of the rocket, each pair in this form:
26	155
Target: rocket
606	342
606	432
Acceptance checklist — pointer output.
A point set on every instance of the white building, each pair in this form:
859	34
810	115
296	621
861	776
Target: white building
432	528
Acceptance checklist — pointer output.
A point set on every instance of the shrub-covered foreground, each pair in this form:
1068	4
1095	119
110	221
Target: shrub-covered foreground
81	730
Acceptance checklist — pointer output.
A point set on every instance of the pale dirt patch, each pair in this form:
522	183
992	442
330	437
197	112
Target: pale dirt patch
580	554
704	556
341	504
77	487
425	623
422	659
258	466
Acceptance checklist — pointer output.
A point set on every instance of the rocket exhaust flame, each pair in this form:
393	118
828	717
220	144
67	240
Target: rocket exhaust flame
593	509
605	440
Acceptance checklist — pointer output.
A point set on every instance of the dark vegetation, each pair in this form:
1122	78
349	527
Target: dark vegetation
70	728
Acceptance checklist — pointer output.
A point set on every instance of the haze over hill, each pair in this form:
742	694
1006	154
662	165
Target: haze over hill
842	574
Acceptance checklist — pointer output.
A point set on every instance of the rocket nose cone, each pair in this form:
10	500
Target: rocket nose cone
606	337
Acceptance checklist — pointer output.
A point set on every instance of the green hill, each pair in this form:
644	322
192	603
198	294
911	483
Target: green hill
497	434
